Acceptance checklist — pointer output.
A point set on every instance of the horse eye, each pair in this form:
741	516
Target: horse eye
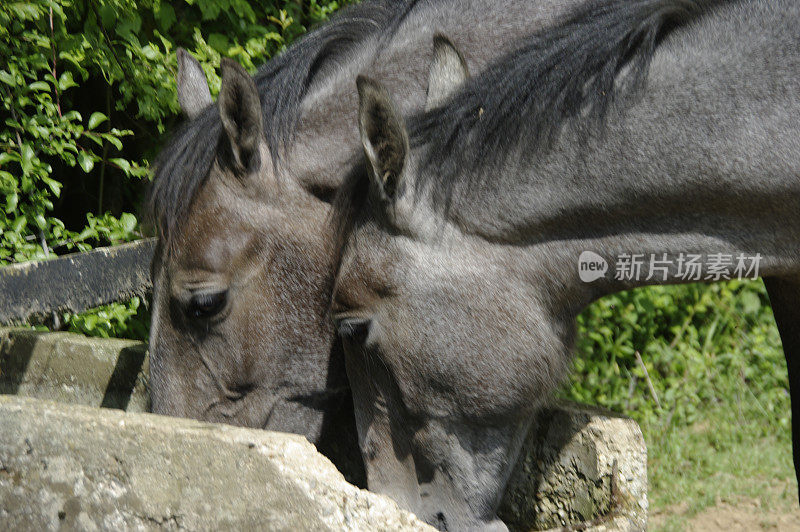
206	305
353	329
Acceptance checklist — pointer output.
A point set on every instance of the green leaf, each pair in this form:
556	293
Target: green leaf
209	8
96	119
39	86
73	115
27	154
166	17
113	140
11	202
66	81
7	78
129	26
87	232
25	10
53	185
7	157
8	183
94	137
38	218
124	165
90	322
108	15
86	161
19	224
128	222
750	302
219	42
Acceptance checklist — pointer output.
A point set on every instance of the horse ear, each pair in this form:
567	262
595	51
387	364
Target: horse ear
240	111
193	93
383	136
448	71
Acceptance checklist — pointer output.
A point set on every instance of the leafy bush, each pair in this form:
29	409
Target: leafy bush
701	346
88	95
41	130
88	92
129	319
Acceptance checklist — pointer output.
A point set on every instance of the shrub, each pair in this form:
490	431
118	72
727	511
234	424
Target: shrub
698	346
88	91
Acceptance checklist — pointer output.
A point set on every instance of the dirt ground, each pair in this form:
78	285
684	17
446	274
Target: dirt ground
746	515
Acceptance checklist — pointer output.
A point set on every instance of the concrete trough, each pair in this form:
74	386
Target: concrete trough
91	468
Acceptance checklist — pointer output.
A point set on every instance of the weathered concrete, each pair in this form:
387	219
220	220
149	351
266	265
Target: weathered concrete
71	368
579	465
75	282
565	477
89	469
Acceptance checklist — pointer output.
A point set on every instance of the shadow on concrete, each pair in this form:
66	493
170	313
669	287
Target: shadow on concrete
549	435
124	377
16	350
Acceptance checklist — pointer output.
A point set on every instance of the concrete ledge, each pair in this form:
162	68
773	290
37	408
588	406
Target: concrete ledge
72	368
580	467
86	468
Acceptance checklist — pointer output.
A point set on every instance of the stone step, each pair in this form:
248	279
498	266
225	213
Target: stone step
580	466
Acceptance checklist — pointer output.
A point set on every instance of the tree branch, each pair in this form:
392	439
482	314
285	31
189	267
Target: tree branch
55	74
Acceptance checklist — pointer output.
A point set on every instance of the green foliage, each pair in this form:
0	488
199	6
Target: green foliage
720	429
41	131
87	92
700	344
88	89
118	320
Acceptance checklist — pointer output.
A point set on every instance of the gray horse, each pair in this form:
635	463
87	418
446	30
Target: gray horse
637	129
244	268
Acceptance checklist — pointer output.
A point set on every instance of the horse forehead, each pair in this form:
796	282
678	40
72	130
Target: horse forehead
376	263
223	235
215	236
200	250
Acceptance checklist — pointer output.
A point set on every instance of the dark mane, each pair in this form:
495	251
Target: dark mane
569	70
283	83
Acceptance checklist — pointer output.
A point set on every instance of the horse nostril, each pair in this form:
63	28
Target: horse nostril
441	521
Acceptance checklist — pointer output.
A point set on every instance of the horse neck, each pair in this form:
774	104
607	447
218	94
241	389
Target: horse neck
705	161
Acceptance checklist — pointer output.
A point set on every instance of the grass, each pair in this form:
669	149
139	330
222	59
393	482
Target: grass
701	369
723	459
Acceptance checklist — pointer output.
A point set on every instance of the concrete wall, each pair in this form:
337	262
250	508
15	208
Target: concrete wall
71	368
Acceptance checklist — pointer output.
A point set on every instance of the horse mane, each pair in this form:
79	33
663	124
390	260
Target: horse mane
283	83
570	70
